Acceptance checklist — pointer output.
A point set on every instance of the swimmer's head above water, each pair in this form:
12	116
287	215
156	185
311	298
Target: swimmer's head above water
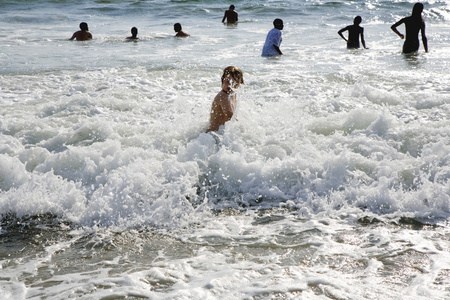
417	9
84	26
235	73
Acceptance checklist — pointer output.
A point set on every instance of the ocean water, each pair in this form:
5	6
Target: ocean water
331	181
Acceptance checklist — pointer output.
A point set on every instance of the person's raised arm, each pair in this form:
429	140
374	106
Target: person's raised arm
394	28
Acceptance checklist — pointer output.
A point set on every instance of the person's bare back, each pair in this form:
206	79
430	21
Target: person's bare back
179	30
83	34
230	15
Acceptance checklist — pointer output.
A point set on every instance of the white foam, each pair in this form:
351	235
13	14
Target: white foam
109	138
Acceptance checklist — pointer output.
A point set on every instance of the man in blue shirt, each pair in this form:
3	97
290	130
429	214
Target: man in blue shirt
273	40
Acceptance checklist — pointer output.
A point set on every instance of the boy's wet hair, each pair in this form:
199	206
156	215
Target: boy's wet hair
84	26
417	9
277	22
235	73
357	20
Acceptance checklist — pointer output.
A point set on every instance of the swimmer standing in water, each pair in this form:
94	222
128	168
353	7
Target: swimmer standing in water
224	104
413	24
179	30
83	34
134	32
230	15
354	31
273	40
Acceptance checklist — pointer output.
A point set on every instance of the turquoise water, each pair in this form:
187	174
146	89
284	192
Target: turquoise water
332	181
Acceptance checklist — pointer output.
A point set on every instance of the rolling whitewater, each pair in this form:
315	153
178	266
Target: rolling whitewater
331	181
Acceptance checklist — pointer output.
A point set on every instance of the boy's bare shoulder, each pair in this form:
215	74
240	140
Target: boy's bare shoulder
82	35
222	96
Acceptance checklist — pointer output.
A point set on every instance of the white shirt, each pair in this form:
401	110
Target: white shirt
273	38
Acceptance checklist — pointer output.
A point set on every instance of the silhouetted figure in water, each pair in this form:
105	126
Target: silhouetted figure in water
83	34
230	15
134	33
354	31
179	30
413	24
273	40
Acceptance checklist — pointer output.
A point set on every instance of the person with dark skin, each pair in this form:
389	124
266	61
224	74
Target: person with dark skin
134	32
273	40
230	15
224	104
354	32
413	25
180	32
83	34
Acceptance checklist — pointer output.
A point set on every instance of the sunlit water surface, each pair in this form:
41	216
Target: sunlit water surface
331	181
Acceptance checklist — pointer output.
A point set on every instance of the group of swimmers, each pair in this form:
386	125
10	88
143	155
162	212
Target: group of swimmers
84	35
414	24
224	104
230	16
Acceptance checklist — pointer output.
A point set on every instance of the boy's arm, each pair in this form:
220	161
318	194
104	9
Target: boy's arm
277	41
277	49
224	16
394	28
363	42
424	38
340	33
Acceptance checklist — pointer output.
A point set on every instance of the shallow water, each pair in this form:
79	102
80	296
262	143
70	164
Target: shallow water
332	181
